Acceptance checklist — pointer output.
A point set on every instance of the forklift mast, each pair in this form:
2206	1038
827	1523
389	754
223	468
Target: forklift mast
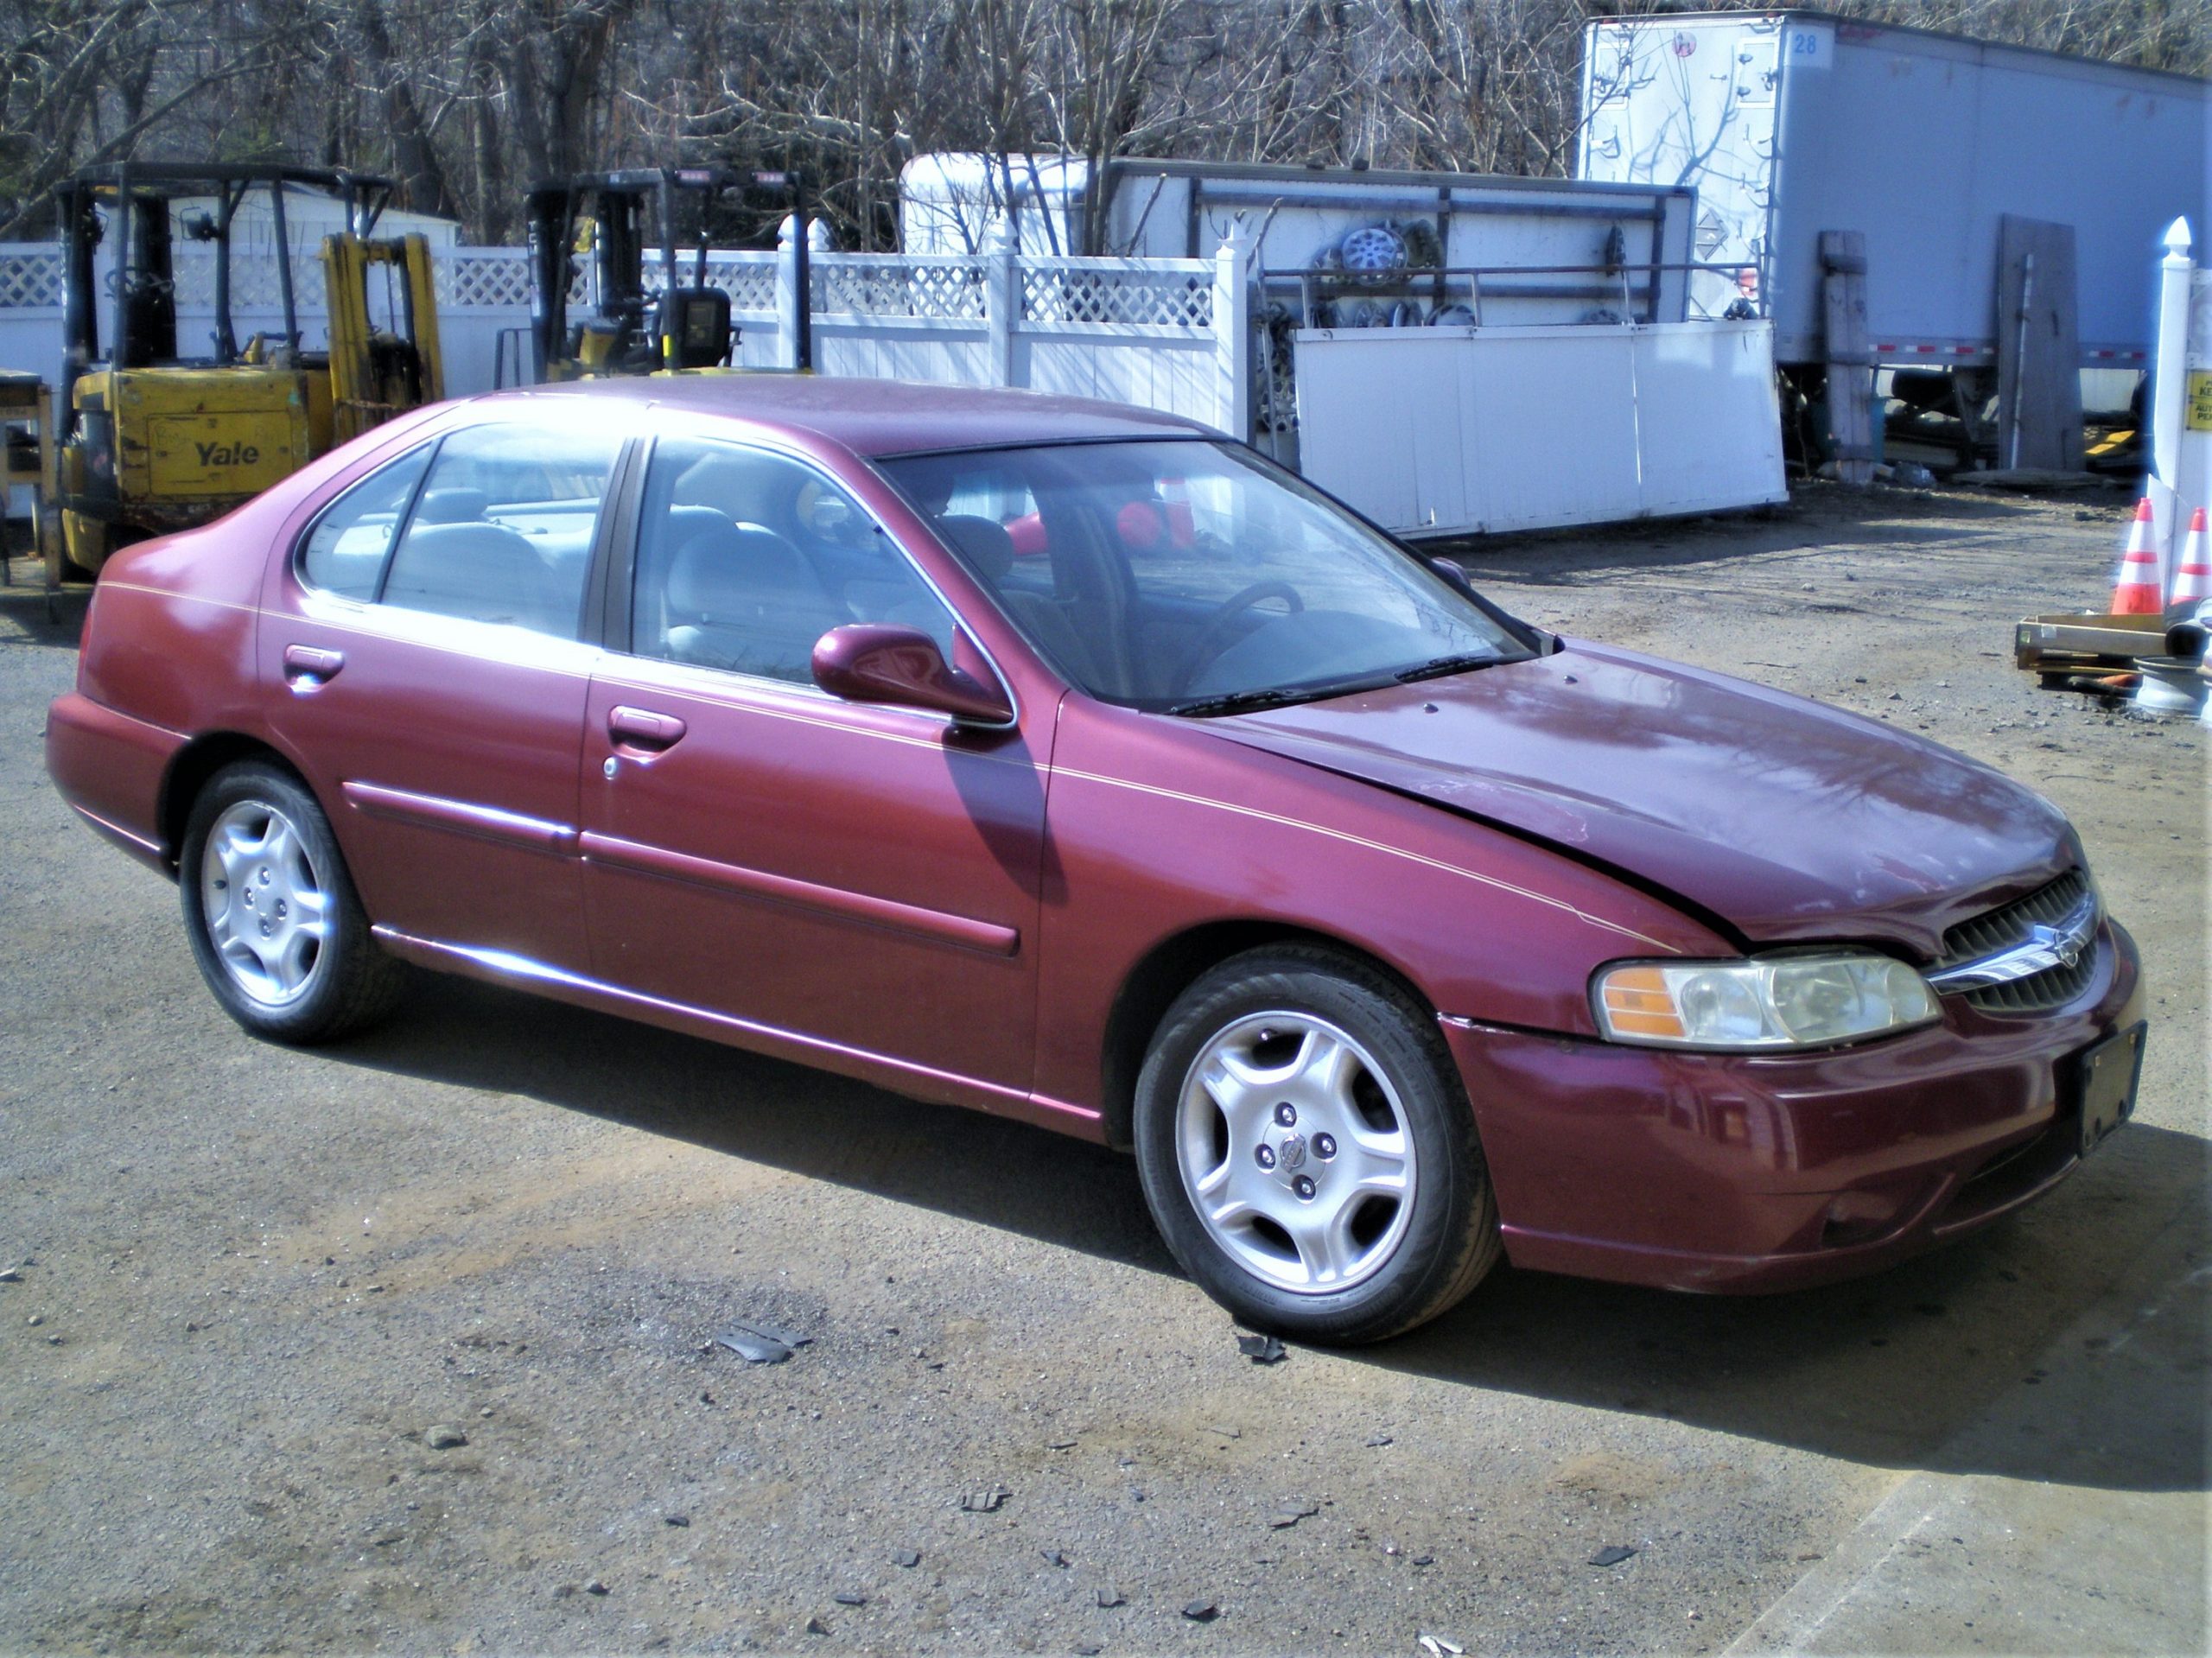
631	220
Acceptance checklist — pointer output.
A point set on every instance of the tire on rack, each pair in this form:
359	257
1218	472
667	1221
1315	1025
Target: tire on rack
275	924
1307	1149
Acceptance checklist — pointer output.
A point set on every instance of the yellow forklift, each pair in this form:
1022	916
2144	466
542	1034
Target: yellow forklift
615	222
160	432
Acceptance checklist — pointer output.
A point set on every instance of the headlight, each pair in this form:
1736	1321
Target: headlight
1776	1001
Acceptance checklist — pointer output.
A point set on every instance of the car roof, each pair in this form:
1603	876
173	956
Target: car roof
882	417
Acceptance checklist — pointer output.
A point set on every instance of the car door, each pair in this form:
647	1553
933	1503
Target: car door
423	654
862	878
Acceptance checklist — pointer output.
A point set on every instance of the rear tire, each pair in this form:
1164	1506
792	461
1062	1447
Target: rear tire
1308	1152
275	925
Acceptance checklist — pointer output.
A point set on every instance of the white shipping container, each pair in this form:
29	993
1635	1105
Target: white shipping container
1467	431
1791	123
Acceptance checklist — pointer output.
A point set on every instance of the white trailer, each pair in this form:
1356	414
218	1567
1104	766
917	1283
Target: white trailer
1793	123
1597	251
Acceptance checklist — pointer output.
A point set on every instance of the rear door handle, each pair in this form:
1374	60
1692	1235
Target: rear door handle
308	667
641	729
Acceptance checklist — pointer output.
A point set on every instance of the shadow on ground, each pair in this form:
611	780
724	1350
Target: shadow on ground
24	610
1816	517
1888	1370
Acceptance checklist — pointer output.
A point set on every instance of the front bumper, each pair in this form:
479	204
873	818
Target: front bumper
1740	1172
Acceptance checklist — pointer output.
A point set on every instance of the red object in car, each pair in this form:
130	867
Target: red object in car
1027	534
1393	934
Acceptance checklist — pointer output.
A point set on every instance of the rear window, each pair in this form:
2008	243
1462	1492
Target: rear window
346	550
494	524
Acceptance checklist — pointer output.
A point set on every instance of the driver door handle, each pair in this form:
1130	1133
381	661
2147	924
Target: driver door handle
642	728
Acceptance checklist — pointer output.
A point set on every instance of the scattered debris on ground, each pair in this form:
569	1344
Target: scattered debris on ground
1262	1349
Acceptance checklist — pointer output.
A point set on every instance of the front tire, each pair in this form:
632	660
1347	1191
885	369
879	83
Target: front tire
1308	1152
276	926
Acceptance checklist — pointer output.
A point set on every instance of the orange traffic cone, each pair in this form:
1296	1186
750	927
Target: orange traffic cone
2193	578
2137	591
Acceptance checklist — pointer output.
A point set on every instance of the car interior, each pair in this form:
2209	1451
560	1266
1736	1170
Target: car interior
1153	574
746	559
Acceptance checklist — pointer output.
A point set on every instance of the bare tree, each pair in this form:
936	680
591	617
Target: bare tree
466	102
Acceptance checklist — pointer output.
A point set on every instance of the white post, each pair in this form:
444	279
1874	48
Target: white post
1232	334
1001	299
2169	382
788	298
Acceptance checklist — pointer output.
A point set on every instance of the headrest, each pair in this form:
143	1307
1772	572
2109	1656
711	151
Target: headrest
726	569
478	547
737	486
451	506
984	542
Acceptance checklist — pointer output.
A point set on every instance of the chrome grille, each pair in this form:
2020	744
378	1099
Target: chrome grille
2005	928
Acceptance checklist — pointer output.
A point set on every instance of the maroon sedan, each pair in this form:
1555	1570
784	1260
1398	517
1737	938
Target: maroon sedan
1076	764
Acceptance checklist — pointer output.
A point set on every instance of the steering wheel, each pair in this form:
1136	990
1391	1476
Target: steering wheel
1209	643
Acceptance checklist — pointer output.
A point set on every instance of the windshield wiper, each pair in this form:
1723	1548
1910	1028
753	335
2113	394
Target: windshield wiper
1243	702
1274	696
1437	666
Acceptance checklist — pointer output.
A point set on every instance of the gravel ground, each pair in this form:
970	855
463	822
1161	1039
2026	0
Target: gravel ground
252	1282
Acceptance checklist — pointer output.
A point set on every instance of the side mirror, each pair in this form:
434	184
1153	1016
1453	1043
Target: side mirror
1450	569
868	661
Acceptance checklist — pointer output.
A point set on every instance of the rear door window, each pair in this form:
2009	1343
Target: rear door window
345	551
502	529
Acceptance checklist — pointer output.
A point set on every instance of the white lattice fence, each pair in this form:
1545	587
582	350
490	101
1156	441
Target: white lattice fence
30	274
492	278
1142	331
1161	293
868	284
749	279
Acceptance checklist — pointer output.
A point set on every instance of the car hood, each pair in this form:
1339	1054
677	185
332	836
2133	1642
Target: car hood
1784	819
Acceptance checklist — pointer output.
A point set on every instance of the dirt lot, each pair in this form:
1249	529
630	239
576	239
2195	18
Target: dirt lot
252	1281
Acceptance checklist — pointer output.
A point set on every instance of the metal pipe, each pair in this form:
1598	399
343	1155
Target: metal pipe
120	349
226	336
2020	349
283	264
1421	202
803	263
669	280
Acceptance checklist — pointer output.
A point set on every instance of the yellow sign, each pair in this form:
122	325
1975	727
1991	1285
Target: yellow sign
2200	400
221	455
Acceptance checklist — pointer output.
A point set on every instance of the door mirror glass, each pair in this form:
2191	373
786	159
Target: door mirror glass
875	662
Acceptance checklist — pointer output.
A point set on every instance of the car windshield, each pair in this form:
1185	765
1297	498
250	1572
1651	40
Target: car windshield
1193	577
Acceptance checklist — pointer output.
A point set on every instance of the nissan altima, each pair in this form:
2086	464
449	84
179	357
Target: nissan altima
1077	763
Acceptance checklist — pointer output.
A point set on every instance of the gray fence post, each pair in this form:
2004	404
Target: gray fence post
1232	335
1002	300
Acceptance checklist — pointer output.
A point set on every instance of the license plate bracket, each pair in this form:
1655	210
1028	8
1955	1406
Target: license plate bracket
2105	1079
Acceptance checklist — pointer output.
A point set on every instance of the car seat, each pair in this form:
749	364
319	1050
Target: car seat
482	571
742	598
988	549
